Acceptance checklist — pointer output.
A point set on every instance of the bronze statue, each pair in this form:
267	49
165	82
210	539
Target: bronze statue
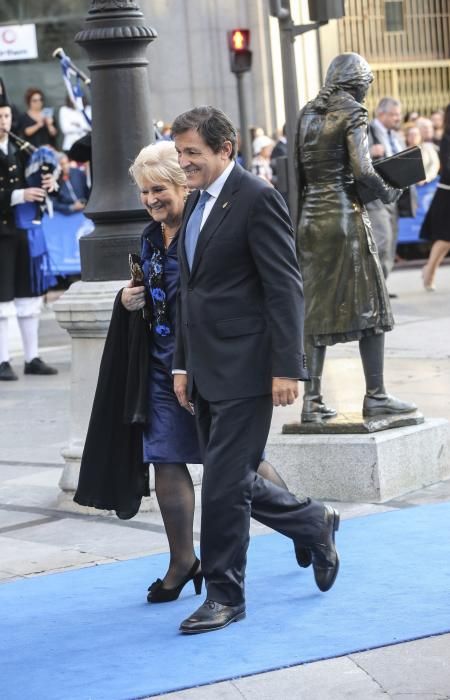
345	292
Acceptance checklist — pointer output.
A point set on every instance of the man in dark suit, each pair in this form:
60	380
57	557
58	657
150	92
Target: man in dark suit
239	351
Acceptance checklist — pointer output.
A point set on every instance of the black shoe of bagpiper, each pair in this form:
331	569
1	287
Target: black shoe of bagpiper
7	373
38	366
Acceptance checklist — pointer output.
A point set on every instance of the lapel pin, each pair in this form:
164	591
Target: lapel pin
225	204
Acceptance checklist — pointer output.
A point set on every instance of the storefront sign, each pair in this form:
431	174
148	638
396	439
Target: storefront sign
18	42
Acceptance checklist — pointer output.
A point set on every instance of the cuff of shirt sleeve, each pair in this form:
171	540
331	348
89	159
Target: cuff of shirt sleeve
17	197
179	371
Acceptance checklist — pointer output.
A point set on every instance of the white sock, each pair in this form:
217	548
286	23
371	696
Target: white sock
4	354
29	331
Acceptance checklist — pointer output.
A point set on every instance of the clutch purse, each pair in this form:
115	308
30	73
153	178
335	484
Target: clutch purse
136	272
137	278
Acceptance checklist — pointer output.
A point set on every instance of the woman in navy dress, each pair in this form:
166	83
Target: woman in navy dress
170	439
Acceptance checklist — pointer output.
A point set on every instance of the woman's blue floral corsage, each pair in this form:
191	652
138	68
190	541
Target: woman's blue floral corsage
161	324
158	294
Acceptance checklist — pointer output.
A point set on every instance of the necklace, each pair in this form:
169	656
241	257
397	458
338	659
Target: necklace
167	239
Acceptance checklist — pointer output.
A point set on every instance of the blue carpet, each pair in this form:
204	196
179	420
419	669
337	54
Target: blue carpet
88	634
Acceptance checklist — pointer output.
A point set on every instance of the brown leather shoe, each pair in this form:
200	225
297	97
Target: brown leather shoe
325	559
212	616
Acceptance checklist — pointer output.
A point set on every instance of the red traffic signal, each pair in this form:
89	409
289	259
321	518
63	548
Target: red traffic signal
239	39
240	54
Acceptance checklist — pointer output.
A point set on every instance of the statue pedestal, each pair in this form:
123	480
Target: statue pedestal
328	460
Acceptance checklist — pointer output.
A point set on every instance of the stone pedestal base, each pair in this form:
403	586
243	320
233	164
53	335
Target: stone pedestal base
372	467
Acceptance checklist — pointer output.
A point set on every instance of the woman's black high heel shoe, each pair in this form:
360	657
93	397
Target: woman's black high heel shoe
158	594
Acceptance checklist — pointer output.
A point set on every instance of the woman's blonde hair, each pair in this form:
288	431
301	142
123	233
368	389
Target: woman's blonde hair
156	162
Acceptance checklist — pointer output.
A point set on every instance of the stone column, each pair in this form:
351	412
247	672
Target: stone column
116	39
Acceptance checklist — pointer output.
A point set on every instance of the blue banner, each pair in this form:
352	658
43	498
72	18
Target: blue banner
62	234
409	227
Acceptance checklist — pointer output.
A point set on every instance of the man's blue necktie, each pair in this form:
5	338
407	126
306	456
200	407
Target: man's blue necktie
193	227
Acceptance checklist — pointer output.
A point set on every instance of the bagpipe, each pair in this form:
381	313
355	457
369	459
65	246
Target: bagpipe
42	161
28	216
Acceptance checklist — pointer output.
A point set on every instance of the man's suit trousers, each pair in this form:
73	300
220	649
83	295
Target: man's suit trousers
233	436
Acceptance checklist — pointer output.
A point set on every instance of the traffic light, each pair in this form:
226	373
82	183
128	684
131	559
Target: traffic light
240	54
324	10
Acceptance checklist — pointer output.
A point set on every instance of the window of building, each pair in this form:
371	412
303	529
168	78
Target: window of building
393	13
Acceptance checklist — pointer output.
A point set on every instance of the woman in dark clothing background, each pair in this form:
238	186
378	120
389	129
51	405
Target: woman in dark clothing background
436	227
36	125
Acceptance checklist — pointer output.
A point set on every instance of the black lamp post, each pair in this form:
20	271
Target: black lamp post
115	38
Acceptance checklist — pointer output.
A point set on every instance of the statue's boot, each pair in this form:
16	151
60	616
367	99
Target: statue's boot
314	409
377	401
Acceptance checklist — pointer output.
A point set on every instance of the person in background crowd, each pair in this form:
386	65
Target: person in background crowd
413	137
72	123
426	131
73	191
280	150
411	116
437	119
384	141
37	125
165	132
18	293
436	227
262	152
14	110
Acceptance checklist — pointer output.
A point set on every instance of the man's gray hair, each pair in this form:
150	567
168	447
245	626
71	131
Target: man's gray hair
385	104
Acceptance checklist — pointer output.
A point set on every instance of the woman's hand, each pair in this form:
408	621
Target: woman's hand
133	298
52	130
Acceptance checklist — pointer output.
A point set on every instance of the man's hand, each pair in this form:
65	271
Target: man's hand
180	382
284	391
34	194
49	182
78	206
133	298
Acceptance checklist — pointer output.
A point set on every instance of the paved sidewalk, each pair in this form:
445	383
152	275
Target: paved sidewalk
42	533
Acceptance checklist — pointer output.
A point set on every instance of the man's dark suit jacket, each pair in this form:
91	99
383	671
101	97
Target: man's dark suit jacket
240	309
